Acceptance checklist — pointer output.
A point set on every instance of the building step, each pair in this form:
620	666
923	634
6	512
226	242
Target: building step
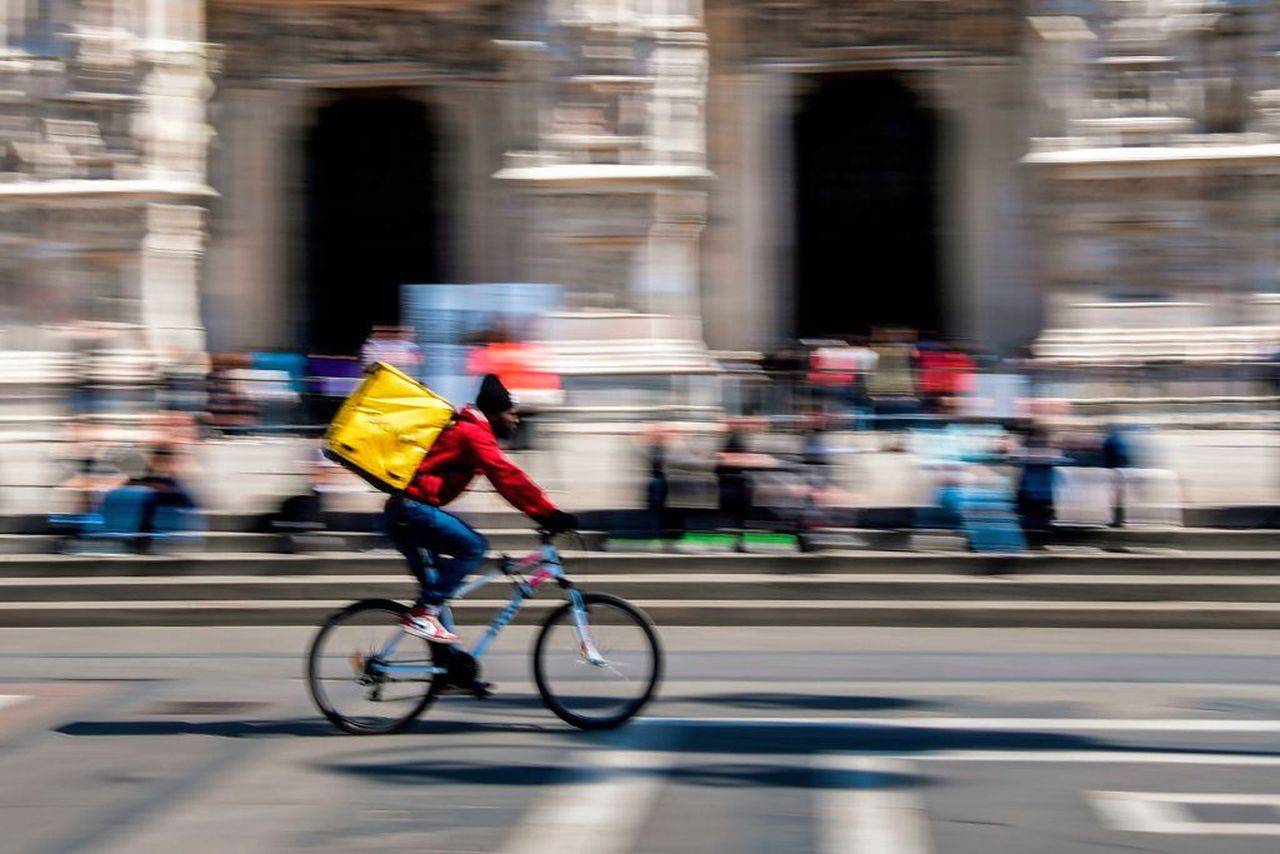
388	562
724	587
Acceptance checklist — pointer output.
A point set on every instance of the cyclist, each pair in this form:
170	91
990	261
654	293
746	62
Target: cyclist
417	523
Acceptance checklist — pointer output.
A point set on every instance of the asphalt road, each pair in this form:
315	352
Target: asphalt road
954	741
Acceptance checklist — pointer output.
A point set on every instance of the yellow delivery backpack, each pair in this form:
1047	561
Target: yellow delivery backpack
386	426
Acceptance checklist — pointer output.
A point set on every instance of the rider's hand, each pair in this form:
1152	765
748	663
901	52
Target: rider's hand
560	521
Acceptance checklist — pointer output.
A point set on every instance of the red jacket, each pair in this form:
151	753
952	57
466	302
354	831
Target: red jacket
464	448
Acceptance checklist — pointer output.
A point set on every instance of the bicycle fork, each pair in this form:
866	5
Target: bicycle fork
586	643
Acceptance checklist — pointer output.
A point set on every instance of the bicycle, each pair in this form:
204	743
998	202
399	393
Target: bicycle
594	643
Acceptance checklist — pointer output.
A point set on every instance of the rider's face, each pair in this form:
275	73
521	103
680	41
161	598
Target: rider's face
505	423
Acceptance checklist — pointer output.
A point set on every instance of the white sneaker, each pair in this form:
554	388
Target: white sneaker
424	622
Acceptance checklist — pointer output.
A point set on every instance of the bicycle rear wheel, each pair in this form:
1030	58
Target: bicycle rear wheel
610	691
367	676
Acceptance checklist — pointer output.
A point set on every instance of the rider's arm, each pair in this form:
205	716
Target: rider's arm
506	477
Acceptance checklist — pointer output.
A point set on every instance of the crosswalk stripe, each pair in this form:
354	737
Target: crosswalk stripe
864	807
1213	725
7	700
600	811
1230	757
1166	812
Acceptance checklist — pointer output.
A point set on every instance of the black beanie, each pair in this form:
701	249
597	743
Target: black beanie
493	397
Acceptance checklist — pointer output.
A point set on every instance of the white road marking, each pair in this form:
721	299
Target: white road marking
1122	812
7	700
601	811
1102	757
1165	812
864	809
1002	724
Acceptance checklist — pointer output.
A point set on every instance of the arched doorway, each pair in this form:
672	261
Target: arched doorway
373	215
866	208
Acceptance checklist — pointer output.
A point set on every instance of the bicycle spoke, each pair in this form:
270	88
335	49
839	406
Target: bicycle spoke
346	671
604	685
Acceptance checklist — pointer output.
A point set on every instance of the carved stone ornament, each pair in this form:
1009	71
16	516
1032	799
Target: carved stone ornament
282	41
792	28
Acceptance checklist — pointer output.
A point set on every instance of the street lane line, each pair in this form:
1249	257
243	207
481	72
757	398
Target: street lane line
1166	812
600	811
7	700
1102	757
1004	724
1122	811
864	807
1204	798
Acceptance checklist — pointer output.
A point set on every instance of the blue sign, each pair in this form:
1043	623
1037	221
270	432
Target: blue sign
445	317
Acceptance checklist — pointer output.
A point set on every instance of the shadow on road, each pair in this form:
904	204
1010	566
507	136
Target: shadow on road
298	727
225	728
748	741
712	775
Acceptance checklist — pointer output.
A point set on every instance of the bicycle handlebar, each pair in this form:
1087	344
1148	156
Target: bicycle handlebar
545	536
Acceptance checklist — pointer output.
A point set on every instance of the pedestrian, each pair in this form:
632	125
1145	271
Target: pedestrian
395	346
169	466
663	521
1117	454
1037	462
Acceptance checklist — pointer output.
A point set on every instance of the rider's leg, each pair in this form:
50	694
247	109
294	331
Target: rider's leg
408	525
403	526
456	549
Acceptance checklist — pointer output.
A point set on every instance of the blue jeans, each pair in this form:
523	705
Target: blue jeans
440	548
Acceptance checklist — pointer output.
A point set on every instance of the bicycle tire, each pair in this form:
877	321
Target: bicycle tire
641	619
318	696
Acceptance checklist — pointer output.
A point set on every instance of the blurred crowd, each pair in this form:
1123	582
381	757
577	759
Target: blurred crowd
128	463
1000	467
1003	464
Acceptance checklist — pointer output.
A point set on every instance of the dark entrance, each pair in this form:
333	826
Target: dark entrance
866	238
373	222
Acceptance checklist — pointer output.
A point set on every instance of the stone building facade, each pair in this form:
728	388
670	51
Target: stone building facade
262	173
1156	163
103	143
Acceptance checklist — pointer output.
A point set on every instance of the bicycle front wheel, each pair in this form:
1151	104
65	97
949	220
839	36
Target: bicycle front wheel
365	674
604	690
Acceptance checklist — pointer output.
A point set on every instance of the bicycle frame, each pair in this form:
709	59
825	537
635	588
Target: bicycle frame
549	568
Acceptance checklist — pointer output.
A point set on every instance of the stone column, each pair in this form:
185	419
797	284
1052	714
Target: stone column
671	258
248	266
618	181
171	255
747	299
678	132
177	86
990	295
175	136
